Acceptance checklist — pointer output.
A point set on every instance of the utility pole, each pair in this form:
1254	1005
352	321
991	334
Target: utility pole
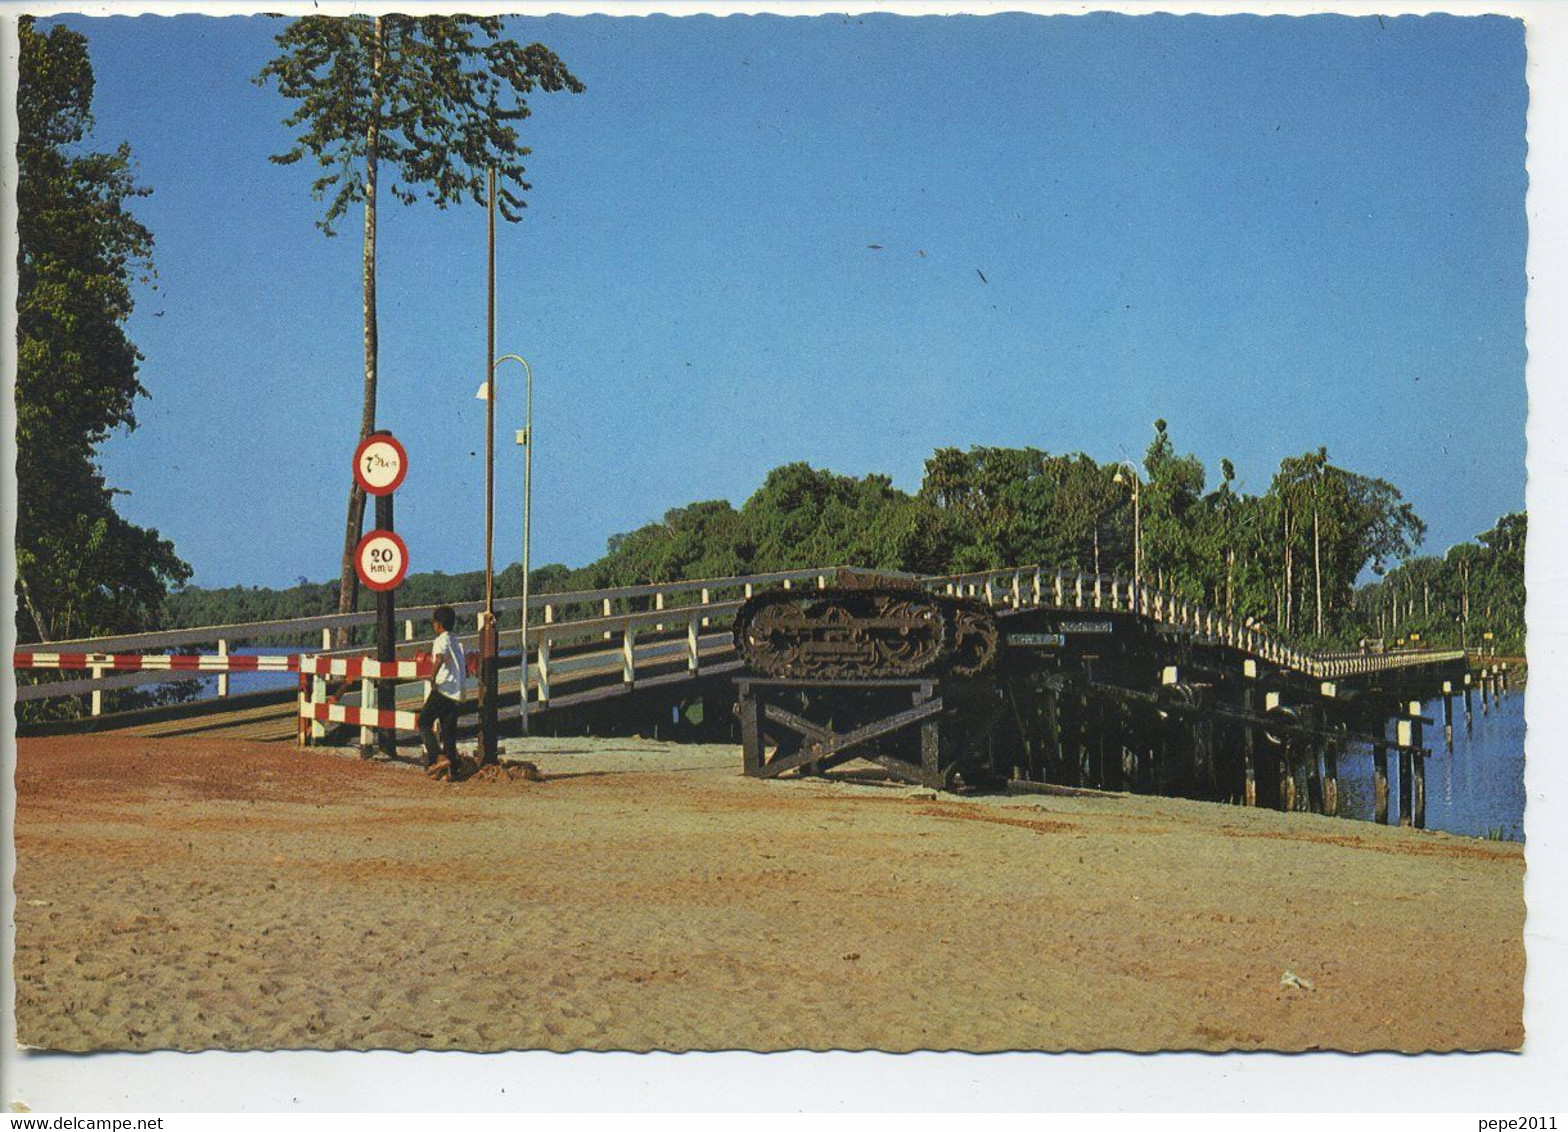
488	642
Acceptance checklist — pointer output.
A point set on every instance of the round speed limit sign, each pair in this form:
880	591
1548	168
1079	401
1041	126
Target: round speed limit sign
380	463
382	560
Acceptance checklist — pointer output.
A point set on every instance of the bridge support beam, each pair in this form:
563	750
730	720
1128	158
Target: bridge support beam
808	746
1331	778
1380	782
1249	786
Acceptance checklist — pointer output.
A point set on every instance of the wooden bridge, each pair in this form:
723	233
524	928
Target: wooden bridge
588	647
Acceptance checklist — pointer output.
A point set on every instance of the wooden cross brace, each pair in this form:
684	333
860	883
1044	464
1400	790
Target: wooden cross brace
827	748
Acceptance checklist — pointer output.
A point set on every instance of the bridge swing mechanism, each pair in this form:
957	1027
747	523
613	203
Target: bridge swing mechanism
948	692
872	668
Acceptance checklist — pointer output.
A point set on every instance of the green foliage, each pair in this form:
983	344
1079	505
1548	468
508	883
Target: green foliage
1022	505
438	98
1260	557
1475	589
82	569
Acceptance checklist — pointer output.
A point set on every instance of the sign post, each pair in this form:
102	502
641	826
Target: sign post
380	464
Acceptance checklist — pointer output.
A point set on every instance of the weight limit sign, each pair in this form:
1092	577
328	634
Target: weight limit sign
380	463
382	561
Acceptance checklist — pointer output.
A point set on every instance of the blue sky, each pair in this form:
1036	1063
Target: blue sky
1275	233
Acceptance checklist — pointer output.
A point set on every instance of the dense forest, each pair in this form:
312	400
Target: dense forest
1289	558
1473	596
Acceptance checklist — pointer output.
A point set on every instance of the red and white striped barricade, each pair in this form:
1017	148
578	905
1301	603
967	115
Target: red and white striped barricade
156	662
220	663
317	709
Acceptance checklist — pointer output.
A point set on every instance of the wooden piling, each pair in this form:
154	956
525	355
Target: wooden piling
1203	755
1287	779
1085	769
1403	733
1054	745
1418	763
1249	788
1317	797
1101	773
1448	714
1469	707
1418	789
1486	687
749	709
1380	782
1412	770
1331	778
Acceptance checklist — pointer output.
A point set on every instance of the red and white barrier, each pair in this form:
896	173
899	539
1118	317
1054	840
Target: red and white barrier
158	662
317	708
364	717
350	668
363	668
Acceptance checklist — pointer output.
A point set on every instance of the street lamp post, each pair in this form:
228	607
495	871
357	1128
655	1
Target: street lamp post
488	644
525	437
1137	519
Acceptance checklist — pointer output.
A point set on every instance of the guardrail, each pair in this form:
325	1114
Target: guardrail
1030	586
115	662
561	652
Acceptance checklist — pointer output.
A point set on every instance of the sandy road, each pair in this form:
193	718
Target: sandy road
186	893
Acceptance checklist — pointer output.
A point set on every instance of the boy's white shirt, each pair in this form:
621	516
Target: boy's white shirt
451	666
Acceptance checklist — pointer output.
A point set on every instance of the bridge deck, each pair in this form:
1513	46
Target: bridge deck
645	642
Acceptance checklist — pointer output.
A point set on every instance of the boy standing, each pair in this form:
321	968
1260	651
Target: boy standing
446	693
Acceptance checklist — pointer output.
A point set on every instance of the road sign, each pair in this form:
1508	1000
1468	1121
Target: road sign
380	463
382	560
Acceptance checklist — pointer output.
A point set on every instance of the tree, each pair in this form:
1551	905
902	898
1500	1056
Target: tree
82	569
1170	494
438	100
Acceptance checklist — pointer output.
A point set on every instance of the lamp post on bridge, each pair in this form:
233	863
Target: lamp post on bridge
1137	517
525	437
489	644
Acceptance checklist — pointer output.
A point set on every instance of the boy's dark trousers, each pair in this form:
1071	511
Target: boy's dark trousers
438	709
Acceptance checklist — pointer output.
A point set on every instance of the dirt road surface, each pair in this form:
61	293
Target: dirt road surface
197	894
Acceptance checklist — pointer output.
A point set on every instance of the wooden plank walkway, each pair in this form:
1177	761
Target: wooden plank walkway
263	723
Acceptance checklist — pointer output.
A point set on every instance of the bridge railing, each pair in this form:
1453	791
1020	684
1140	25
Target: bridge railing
579	637
1021	587
554	617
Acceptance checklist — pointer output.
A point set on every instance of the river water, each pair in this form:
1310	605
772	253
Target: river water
1475	789
241	683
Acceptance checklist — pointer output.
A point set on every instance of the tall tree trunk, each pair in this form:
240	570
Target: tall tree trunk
1290	585
1464	606
348	586
1317	567
40	625
1230	589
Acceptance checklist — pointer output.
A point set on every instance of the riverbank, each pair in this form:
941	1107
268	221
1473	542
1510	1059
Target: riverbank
204	894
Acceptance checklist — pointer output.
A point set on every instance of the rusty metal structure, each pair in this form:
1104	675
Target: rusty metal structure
876	668
873	628
1094	687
